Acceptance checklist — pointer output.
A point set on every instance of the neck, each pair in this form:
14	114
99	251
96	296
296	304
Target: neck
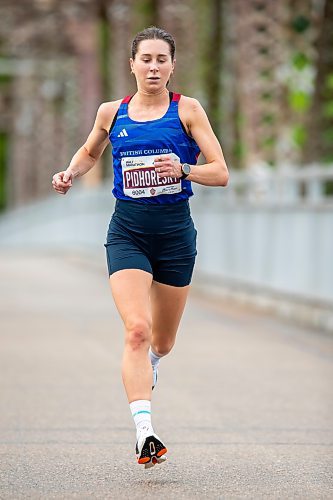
151	99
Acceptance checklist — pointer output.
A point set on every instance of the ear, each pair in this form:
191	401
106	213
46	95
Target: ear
173	65
131	65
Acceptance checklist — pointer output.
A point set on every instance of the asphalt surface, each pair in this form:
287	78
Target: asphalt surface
244	402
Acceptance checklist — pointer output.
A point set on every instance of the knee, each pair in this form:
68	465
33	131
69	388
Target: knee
138	334
162	349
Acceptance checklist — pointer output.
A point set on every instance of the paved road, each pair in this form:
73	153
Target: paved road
244	402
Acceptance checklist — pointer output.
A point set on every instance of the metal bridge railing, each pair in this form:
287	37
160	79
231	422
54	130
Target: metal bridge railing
270	231
311	185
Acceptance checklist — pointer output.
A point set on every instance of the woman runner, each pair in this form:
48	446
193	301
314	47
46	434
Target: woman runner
156	137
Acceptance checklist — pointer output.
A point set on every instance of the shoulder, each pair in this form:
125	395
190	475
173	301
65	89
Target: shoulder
190	107
106	113
190	104
107	110
190	110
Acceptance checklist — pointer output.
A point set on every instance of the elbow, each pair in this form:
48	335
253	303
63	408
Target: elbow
224	176
225	179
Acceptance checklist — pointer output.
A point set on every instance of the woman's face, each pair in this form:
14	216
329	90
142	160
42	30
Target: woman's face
152	65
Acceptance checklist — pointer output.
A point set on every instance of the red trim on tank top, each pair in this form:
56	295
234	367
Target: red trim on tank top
175	98
126	99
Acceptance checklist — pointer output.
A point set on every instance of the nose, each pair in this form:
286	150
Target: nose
153	66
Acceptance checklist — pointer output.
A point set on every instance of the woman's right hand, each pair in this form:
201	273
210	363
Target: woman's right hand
62	181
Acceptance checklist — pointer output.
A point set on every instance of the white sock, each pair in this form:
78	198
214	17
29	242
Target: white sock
154	358
141	413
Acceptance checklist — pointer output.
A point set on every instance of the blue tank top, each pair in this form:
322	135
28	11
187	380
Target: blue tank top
136	144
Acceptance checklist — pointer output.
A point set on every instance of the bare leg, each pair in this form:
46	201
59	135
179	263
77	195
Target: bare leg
131	289
167	305
137	300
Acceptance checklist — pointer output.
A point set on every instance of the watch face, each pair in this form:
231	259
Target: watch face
186	168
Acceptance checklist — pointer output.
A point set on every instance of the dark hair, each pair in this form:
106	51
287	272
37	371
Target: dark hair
153	33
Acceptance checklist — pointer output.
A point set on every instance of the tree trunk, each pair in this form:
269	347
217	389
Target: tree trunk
319	147
213	66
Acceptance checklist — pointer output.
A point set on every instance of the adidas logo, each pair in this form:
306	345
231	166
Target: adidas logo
123	133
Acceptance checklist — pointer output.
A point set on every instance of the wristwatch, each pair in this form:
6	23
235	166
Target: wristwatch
186	170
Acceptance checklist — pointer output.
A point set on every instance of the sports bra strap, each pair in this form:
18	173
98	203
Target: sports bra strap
175	98
126	99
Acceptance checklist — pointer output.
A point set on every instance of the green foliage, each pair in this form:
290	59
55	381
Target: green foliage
239	152
104	64
145	7
269	142
300	60
145	14
266	74
329	82
328	110
299	135
5	79
328	188
203	37
327	140
264	51
268	119
299	101
267	96
300	23
3	168
328	136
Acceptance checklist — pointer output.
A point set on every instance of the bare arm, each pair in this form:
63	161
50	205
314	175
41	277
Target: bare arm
214	172
86	157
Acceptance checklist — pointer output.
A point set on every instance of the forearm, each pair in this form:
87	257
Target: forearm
209	174
81	163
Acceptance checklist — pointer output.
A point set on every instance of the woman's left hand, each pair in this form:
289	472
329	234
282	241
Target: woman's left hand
165	166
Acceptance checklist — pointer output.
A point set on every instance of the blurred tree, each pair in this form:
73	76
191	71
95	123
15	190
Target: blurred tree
145	13
6	100
103	8
266	86
4	142
120	12
42	40
212	61
319	146
179	18
256	33
295	78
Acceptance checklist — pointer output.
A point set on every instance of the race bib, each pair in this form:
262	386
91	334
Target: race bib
140	179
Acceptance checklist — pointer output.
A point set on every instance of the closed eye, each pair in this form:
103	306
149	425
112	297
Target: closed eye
159	60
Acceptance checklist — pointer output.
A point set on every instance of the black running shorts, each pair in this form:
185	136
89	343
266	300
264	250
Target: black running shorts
159	239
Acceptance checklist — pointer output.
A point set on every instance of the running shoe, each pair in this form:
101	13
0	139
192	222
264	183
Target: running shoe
155	375
150	450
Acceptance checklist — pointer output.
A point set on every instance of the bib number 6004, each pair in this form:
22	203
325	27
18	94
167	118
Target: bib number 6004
137	192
